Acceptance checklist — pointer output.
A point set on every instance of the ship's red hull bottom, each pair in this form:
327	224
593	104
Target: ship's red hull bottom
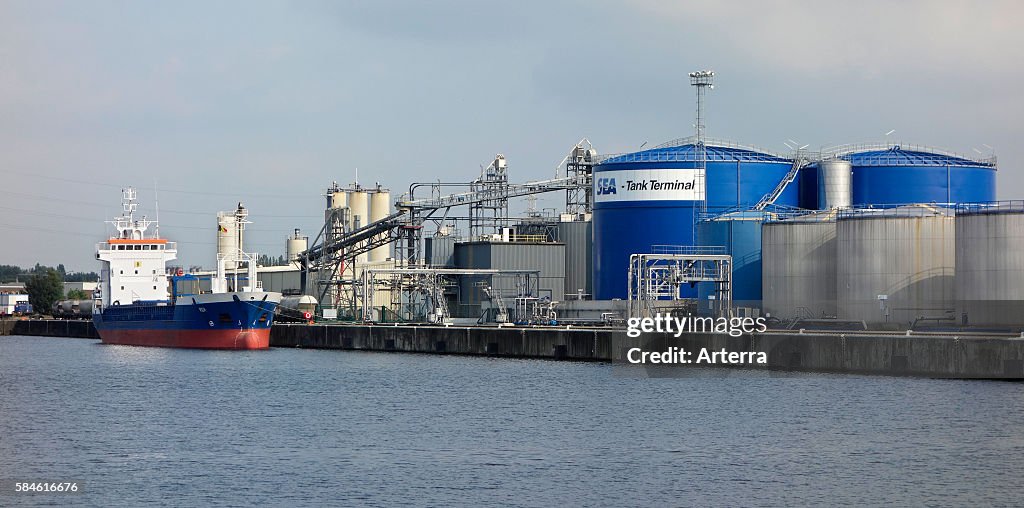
258	338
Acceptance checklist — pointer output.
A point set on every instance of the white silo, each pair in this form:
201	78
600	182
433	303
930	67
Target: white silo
380	207
296	245
230	235
359	204
227	238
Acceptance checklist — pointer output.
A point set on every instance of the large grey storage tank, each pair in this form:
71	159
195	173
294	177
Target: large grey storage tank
799	266
990	264
896	266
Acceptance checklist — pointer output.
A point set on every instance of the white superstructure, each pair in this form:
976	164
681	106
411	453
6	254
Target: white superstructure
134	262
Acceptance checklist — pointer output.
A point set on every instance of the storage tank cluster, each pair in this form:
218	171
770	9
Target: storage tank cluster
365	205
903	266
814	252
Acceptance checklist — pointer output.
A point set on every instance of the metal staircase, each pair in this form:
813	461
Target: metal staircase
799	162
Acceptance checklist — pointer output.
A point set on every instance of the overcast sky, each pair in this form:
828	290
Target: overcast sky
269	102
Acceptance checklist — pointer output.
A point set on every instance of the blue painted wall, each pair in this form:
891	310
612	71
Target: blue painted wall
735	178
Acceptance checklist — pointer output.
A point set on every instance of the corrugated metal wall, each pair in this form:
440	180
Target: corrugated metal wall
439	250
549	258
579	256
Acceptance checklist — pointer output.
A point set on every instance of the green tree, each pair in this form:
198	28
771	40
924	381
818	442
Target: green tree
44	288
78	294
9	273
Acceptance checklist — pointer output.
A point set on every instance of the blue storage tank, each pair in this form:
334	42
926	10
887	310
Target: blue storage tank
895	174
740	234
649	198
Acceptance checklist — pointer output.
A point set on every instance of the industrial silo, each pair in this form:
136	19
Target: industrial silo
359	204
739	234
898	174
990	264
896	265
230	235
798	257
651	197
296	245
380	207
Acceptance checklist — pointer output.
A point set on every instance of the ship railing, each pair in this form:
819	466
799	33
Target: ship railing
166	246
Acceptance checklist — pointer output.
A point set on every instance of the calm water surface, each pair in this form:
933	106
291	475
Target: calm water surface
303	427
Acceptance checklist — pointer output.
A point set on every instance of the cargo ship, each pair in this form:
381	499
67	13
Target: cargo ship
136	302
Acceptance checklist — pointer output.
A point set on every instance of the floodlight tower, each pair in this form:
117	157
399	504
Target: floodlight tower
703	81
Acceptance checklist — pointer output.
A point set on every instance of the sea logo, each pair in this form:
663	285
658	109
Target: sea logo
605	186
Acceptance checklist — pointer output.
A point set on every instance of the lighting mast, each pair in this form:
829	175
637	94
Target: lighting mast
702	80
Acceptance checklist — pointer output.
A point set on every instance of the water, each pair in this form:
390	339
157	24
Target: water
302	427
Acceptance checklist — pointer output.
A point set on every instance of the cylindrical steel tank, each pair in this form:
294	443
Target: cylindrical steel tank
990	264
798	256
296	245
905	174
296	308
650	198
835	184
359	204
740	235
380	207
896	265
227	238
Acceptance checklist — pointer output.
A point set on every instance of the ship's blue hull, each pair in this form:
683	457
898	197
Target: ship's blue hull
222	321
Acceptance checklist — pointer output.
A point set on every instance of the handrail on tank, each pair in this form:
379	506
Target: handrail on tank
1004	206
770	212
646	156
898	210
719	142
687	249
838	151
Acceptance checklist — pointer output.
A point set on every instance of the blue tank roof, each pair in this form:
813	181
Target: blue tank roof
687	153
898	157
